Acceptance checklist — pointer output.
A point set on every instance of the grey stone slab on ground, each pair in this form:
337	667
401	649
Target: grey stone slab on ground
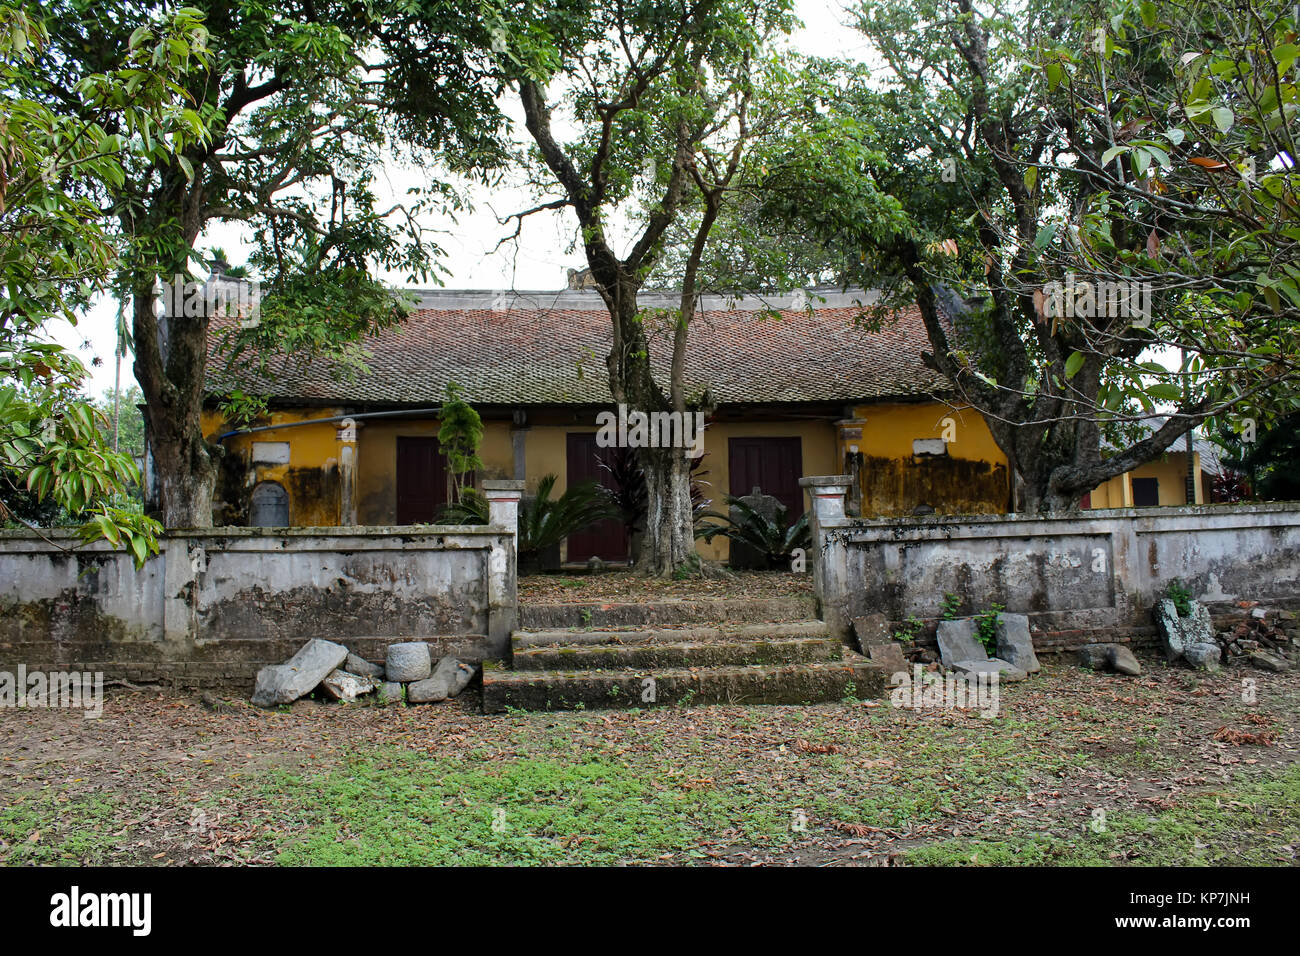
448	680
990	665
389	692
347	687
957	642
408	661
359	665
1179	633
889	656
1203	657
1015	645
1121	660
285	683
1096	656
871	630
1268	662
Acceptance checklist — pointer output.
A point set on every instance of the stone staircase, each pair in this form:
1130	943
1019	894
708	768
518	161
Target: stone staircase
602	655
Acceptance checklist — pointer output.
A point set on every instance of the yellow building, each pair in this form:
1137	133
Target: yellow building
794	392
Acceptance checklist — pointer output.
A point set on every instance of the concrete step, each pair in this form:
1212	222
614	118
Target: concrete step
659	654
803	683
606	614
640	635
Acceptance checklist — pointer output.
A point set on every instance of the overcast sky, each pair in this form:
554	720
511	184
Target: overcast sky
539	260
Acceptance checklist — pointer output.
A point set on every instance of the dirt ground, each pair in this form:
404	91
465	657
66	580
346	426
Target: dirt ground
1078	767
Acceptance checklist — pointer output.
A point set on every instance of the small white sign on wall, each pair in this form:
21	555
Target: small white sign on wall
929	446
270	453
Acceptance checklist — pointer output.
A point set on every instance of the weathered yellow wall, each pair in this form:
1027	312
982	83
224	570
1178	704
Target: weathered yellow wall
1170	473
311	477
377	461
971	479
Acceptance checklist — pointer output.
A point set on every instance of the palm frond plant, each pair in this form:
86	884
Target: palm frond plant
767	536
471	508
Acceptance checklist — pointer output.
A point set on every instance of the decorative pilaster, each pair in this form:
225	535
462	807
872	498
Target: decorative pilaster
830	565
503	599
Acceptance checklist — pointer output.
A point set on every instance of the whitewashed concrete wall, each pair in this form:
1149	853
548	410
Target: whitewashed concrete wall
1091	570
213	606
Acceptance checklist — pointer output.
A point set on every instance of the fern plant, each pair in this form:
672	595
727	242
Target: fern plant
768	536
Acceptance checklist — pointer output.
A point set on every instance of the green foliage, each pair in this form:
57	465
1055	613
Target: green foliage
459	434
774	537
951	606
986	627
58	249
1180	595
545	521
909	630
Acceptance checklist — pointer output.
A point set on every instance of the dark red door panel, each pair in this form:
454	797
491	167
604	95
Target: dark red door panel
421	480
606	539
772	464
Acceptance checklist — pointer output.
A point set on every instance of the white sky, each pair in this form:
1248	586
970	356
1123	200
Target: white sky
539	259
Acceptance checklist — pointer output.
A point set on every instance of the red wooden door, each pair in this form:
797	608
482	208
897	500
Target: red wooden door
772	464
606	539
421	480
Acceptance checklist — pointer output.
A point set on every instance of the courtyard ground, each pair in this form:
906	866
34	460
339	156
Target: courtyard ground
1169	768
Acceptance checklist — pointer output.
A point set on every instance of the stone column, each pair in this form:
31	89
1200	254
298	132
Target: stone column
503	598
347	435
830	567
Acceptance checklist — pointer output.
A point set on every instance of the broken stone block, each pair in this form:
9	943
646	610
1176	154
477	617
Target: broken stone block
389	692
1203	657
448	680
889	656
991	665
408	661
957	642
1120	659
359	665
285	683
1268	662
1180	633
1015	645
347	687
1096	656
871	630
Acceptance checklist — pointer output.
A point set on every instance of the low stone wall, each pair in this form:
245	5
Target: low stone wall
1080	577
213	607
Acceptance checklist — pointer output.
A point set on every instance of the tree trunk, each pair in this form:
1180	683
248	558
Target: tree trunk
170	370
669	539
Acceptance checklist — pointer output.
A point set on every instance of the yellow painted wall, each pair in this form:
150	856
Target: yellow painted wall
971	478
1170	473
377	461
310	477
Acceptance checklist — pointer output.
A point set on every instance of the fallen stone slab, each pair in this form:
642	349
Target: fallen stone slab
1095	656
347	687
991	665
298	676
871	630
1268	662
1203	657
359	665
889	656
448	680
957	642
1015	645
1179	633
408	661
388	693
1121	660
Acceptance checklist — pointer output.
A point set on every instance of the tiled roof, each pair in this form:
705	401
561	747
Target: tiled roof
544	348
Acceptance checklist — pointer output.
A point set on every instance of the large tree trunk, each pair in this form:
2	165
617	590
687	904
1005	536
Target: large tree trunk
669	540
170	369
